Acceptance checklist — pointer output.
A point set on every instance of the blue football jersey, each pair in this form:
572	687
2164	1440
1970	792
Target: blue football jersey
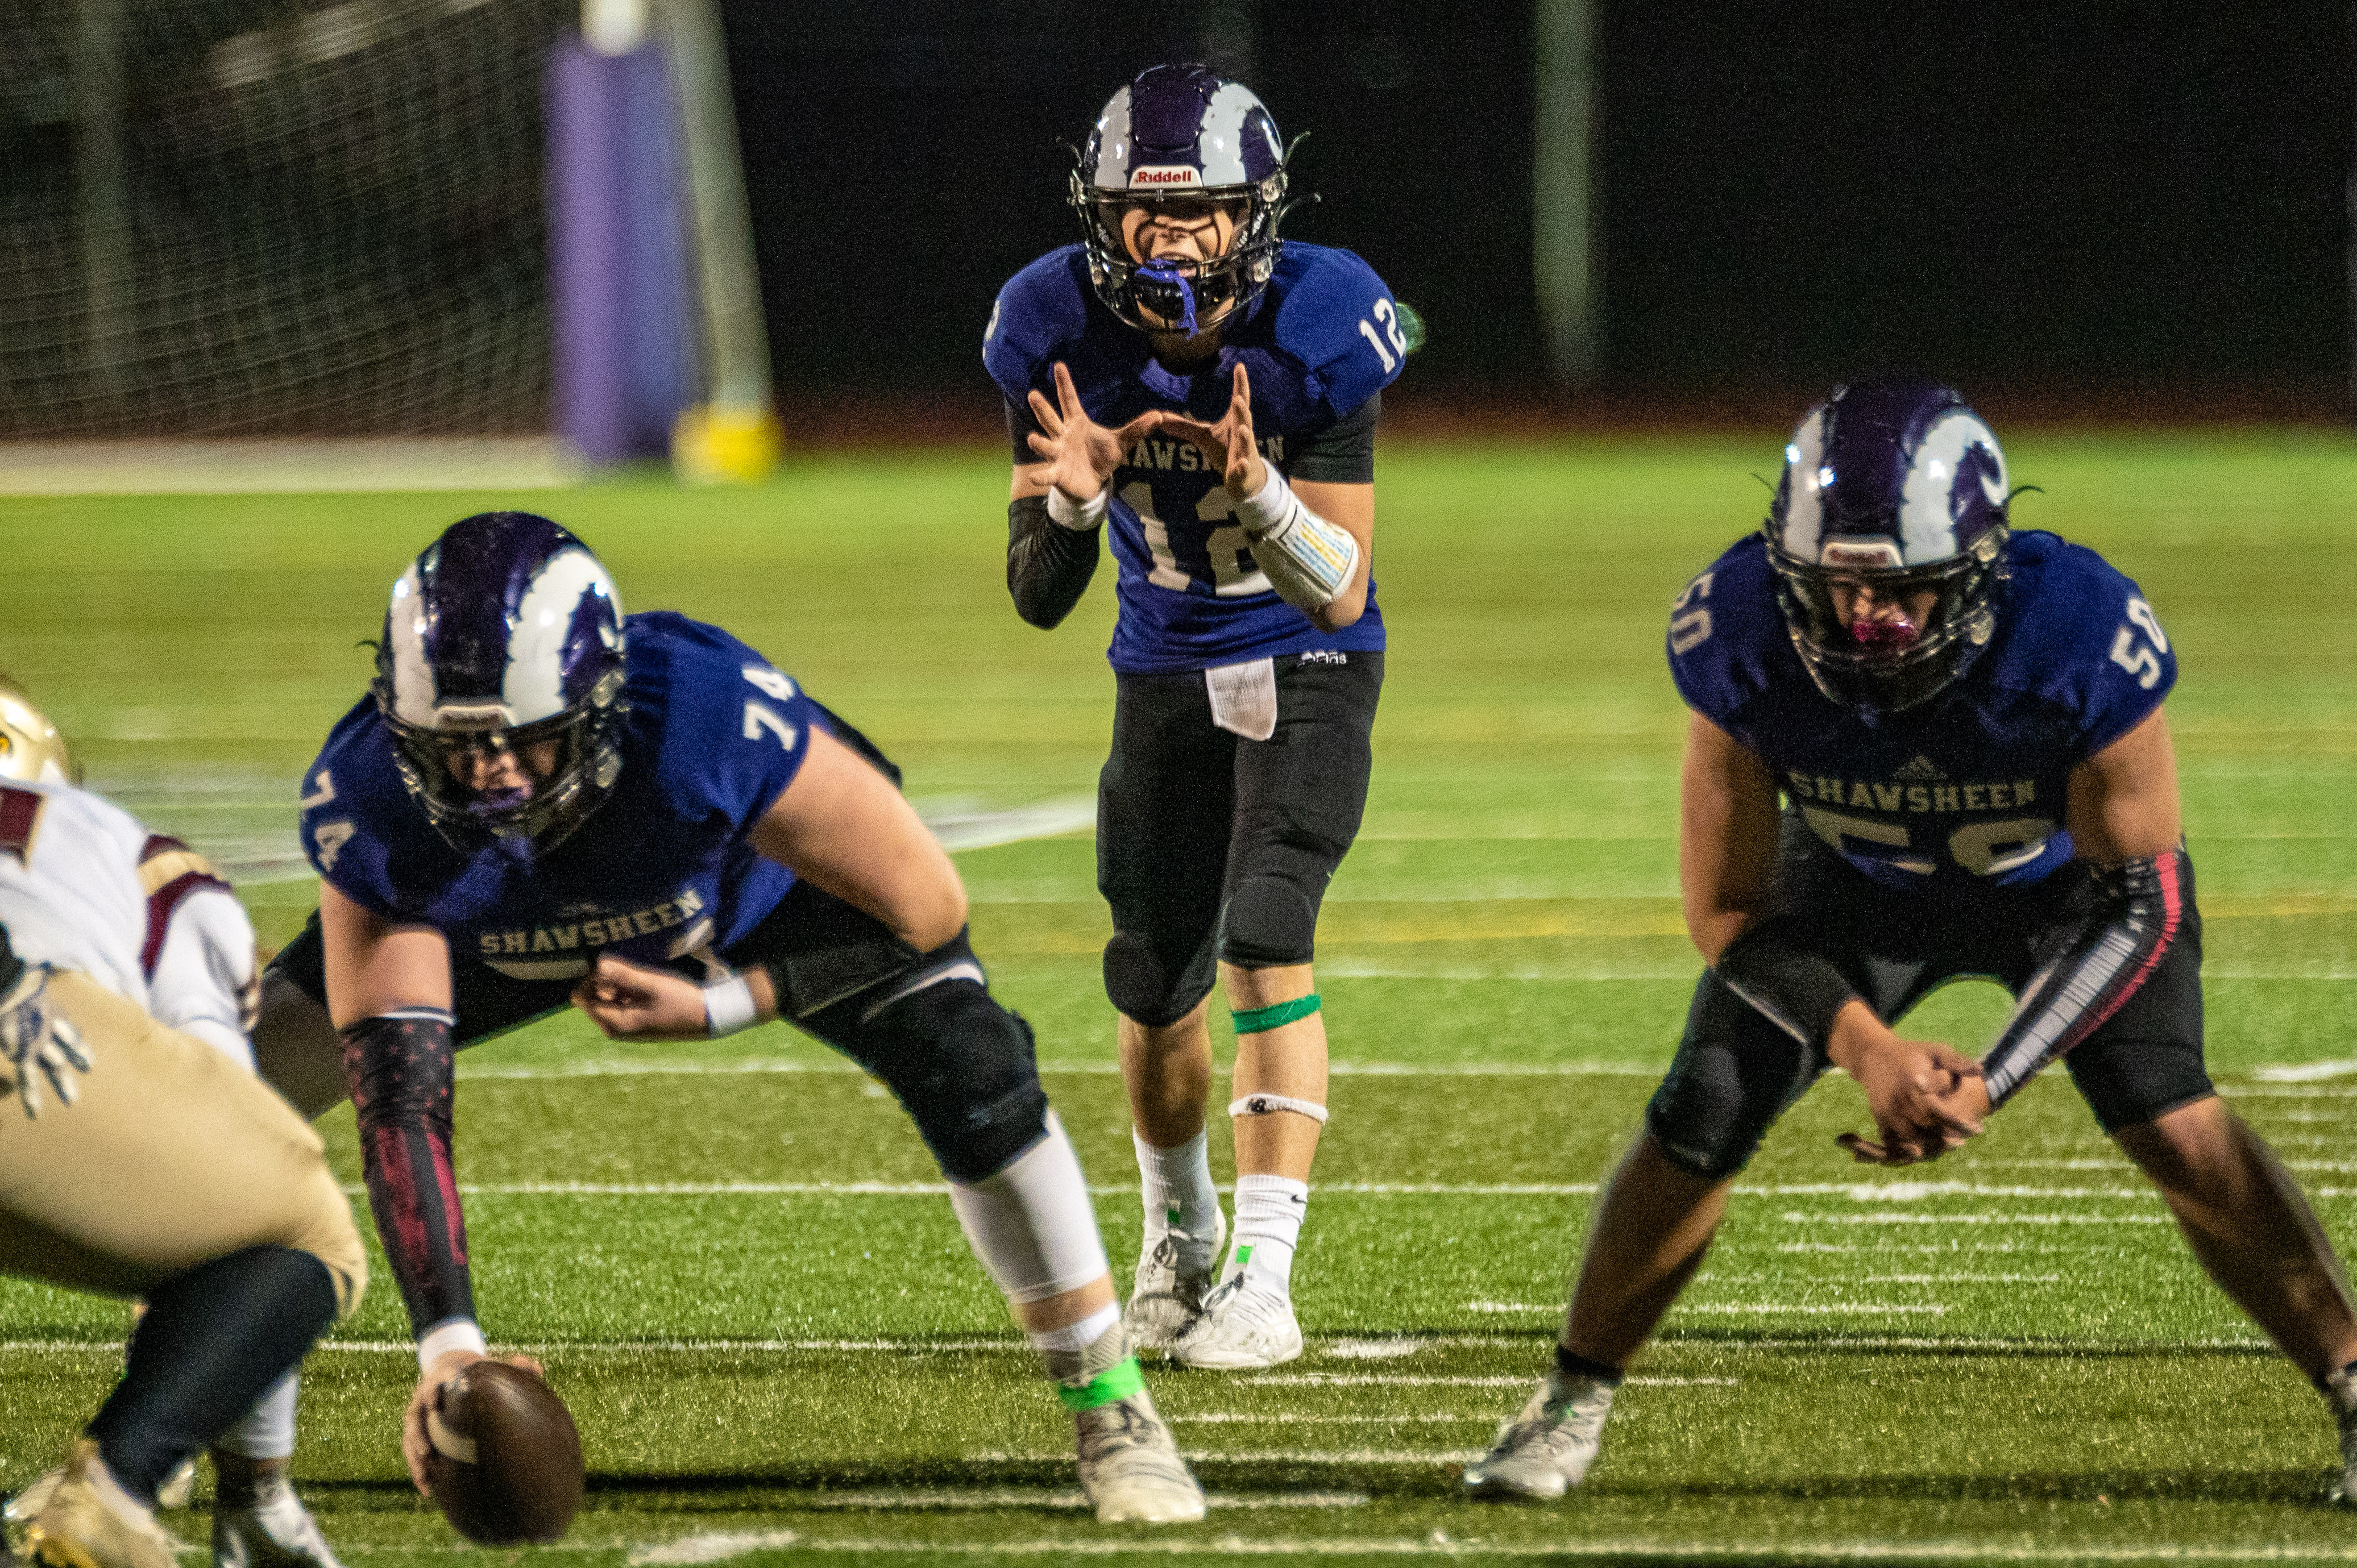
1321	339
660	871
1966	790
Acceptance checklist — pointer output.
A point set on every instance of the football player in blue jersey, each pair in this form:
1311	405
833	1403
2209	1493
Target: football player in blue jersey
1964	724
542	800
1208	393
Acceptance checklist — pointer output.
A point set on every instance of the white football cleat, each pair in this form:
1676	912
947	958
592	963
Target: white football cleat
1545	1451
1174	1276
1130	1465
1246	1323
89	1521
278	1531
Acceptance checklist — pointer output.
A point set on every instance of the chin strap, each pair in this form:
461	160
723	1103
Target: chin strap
2128	918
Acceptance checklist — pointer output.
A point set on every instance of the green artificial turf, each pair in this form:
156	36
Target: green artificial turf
734	1256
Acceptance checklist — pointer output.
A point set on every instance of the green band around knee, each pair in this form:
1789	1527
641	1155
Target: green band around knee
1258	1020
1117	1382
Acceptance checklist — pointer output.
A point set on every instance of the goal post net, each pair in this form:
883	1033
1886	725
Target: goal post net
274	217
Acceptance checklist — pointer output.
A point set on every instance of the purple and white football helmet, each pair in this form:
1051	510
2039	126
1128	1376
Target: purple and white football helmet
503	634
1894	484
1180	132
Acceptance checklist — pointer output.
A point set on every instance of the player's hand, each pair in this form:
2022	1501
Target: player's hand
632	1002
415	1441
1925	1097
39	1042
1229	447
1078	454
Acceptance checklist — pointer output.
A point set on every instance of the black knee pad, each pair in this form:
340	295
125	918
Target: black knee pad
1142	987
1734	1074
964	1069
1270	921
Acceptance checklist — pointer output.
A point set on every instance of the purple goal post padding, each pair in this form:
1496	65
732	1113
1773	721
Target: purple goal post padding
622	321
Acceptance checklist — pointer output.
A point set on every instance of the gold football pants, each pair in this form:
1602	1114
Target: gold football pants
170	1155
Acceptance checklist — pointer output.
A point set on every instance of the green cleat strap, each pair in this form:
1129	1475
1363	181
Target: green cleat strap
1117	1382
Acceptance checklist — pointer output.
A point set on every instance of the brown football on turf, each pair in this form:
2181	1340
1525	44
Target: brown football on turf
506	1461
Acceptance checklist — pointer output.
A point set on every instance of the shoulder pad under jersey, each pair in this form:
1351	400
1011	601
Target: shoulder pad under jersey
2079	633
730	731
1727	639
1040	316
1331	313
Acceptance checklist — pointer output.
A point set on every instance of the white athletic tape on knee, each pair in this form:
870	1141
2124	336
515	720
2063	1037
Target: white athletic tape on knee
1268	1104
1031	1223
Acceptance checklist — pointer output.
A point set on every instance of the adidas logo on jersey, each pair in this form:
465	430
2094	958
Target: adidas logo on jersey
1921	769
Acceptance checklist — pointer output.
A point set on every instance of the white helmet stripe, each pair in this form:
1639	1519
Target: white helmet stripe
1219	145
412	678
1803	512
532	688
1112	128
1927	527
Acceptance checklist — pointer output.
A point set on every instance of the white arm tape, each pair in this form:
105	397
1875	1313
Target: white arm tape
1265	1104
1309	560
1079	517
729	1005
456	1334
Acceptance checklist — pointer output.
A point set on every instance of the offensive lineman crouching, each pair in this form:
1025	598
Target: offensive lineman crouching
142	1160
1967	725
529	761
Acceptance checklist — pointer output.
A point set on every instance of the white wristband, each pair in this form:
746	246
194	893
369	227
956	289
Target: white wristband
454	1333
1266	507
729	1005
1079	517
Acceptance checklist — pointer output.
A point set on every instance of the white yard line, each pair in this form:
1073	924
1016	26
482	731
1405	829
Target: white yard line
683	1552
1425	1380
1852	1192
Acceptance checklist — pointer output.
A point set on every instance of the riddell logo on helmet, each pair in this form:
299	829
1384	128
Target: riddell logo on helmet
1846	552
1159	176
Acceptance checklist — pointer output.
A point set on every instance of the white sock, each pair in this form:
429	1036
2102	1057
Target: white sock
268	1431
1268	1225
1076	1337
1176	1184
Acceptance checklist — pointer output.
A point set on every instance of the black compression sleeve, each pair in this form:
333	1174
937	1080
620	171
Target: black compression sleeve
1798	991
2128	918
1048	565
1341	454
402	1068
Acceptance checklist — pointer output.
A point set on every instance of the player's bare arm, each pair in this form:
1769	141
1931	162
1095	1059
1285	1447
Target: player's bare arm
1726	857
844	828
1231	448
2122	803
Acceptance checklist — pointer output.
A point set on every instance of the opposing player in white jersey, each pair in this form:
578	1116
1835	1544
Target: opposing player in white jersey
88	895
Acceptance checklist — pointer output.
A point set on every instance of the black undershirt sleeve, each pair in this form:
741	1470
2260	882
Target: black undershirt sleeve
402	1068
1341	454
1048	565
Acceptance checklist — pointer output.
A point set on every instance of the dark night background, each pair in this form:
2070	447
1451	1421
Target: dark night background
2039	201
